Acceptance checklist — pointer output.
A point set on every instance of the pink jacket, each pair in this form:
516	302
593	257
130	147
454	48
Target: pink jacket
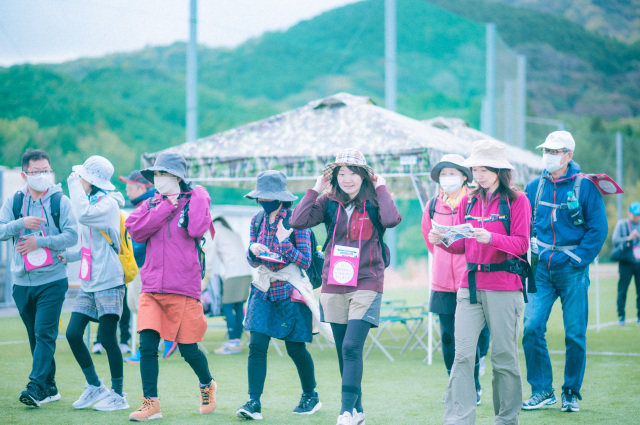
172	264
496	251
447	268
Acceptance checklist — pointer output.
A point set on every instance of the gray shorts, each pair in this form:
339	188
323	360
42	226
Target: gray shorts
357	305
97	304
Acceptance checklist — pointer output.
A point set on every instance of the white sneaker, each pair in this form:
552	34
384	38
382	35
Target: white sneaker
358	418
91	395
124	348
97	348
345	419
113	401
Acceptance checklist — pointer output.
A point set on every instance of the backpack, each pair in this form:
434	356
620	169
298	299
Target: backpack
314	271
577	180
372	210
18	199
126	257
432	208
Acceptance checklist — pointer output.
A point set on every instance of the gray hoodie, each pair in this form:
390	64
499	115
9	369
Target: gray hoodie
57	242
106	269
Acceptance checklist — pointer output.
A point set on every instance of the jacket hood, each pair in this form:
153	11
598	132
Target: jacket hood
148	194
118	197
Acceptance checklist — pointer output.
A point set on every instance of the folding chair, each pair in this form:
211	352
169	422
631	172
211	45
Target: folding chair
387	321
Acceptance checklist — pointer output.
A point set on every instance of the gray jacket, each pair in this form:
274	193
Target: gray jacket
57	242
621	231
106	270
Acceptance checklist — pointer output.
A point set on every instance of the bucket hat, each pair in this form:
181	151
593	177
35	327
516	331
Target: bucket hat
167	162
351	157
559	140
96	170
272	185
488	153
450	160
135	177
634	208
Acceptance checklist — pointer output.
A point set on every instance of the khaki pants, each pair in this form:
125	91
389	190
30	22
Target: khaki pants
501	311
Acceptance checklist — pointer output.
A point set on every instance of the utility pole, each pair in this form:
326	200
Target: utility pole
390	84
192	75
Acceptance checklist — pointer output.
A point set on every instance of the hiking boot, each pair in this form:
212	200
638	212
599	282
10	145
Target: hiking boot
149	410
538	400
97	348
169	348
52	394
32	395
358	417
251	410
208	398
308	405
113	401
569	401
91	395
346	419
133	359
478	400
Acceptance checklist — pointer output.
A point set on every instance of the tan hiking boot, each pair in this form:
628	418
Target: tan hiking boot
208	398
149	410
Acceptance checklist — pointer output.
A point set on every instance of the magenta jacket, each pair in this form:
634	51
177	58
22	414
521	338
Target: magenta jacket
447	268
172	264
496	251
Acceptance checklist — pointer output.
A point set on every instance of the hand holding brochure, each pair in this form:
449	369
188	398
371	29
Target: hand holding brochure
450	234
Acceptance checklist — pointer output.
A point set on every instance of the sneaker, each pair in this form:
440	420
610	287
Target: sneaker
169	348
97	348
52	394
113	401
124	348
208	398
538	400
569	402
229	347
482	366
478	394
308	405
345	419
91	395
621	321
32	395
133	359
149	410
358	417
251	410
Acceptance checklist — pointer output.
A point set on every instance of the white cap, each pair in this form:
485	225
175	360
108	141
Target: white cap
559	140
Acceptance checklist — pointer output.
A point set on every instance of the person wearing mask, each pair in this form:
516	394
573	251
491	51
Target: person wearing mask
491	288
276	306
101	295
627	231
356	210
172	224
447	269
41	225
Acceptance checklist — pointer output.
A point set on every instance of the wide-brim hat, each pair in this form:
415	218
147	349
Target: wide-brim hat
349	157
450	160
135	177
96	170
488	153
559	140
167	162
272	185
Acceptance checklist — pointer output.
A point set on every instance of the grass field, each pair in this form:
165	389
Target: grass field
406	391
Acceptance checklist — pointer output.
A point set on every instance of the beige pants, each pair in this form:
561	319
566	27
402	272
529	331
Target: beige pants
501	311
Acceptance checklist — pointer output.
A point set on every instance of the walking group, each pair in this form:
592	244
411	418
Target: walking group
478	283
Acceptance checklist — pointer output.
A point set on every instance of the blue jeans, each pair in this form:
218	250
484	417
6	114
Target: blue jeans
571	284
234	315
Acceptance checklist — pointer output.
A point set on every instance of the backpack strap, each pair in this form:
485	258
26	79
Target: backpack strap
18	200
503	209
470	203
536	203
432	206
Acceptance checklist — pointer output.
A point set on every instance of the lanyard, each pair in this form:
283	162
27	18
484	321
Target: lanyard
364	209
24	209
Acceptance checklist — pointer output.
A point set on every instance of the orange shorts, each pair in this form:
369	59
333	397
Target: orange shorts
175	317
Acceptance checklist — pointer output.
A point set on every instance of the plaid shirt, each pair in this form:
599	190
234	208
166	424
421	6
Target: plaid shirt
301	256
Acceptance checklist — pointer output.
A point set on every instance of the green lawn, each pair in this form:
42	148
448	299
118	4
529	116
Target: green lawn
406	391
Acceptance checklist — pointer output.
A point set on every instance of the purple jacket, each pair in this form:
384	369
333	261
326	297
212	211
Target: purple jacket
172	264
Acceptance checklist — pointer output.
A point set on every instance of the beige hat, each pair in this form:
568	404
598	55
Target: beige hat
488	153
559	140
450	160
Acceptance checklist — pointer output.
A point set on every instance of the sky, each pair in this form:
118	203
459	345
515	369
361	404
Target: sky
52	31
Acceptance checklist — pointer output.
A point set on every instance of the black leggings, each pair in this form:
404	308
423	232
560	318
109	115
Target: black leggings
258	346
350	339
149	340
108	325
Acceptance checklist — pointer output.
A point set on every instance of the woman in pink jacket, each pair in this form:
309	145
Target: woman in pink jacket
447	268
172	223
490	290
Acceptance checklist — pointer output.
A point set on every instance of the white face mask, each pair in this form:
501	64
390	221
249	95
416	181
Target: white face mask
166	185
552	163
450	183
39	183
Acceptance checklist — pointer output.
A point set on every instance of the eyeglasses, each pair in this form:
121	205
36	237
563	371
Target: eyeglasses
554	151
38	172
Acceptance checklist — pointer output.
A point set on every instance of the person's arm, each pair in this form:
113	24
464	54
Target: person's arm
595	219
387	211
309	212
618	232
97	215
253	238
299	255
143	222
199	215
518	242
9	226
68	237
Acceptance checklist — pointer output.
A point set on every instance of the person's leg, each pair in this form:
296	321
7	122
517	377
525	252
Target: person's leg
239	310
460	397
352	346
536	315
636	278
198	362
149	340
339	330
108	335
230	318
447	331
75	334
125	321
625	273
304	363
257	363
483	341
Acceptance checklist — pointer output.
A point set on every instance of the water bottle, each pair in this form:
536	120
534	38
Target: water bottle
319	252
574	209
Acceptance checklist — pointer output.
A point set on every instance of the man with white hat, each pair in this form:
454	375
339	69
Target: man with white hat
569	226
